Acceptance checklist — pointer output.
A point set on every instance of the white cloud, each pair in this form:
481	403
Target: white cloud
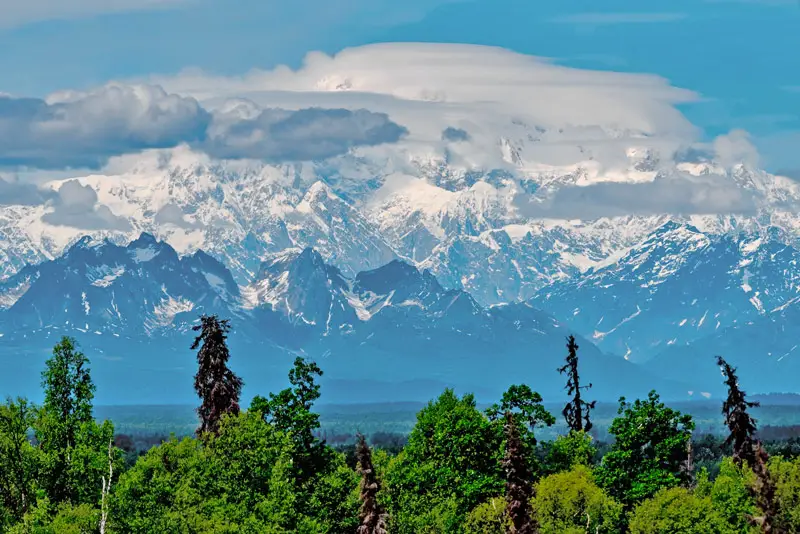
489	92
84	130
736	147
682	194
72	129
173	214
19	12
76	206
606	19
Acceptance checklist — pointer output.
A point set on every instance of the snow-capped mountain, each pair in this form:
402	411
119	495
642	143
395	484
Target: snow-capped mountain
489	246
134	307
678	286
144	288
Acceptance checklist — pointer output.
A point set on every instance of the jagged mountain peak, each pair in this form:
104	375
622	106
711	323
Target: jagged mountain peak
102	287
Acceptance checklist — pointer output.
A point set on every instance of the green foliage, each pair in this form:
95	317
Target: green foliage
290	411
73	450
678	511
571	503
67	409
568	451
266	471
525	405
649	450
786	474
730	494
19	461
238	481
438	517
334	502
450	464
488	518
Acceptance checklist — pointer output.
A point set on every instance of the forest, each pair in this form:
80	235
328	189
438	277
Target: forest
265	468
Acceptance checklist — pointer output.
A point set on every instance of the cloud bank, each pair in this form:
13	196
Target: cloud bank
305	134
480	106
490	92
76	206
680	194
84	130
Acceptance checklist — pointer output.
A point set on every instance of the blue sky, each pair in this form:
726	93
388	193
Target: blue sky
742	56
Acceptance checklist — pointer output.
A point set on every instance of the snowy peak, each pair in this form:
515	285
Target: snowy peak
98	286
300	286
678	286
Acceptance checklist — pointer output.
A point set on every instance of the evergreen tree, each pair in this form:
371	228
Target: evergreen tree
215	383
747	449
576	412
741	425
519	488
371	516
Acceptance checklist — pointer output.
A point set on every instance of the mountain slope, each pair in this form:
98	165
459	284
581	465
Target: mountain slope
133	306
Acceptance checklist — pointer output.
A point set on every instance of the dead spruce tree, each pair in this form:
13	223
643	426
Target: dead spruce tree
576	412
216	385
373	519
747	450
519	484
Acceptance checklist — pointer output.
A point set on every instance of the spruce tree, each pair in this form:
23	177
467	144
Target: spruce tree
371	516
519	486
215	383
576	411
747	449
742	426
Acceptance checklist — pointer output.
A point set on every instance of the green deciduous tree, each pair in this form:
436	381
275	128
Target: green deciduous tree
525	406
239	480
291	411
62	519
215	383
73	447
488	518
568	451
571	503
452	463
730	493
19	461
648	452
786	474
678	510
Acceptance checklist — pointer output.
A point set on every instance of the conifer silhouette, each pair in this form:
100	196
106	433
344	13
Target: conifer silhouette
519	487
576	412
216	385
741	425
372	517
747	449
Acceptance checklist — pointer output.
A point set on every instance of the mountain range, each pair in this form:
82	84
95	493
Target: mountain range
401	278
133	307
